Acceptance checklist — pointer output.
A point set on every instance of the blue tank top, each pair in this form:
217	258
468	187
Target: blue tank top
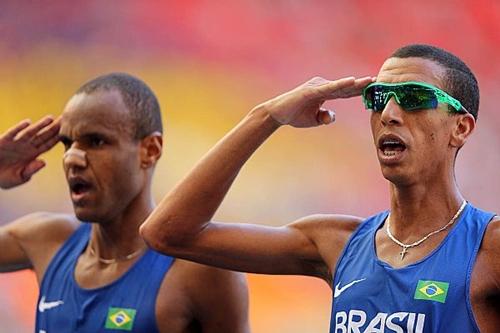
429	296
125	305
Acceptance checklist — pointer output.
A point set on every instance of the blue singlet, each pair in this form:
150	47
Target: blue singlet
429	296
125	305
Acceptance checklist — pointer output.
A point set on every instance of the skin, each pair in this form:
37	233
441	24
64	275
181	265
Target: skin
423	192
32	140
117	208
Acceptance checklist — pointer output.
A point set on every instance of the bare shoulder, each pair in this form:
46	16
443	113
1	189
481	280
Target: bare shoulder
43	227
485	282
330	234
40	235
195	294
490	247
323	229
201	281
330	223
486	273
493	229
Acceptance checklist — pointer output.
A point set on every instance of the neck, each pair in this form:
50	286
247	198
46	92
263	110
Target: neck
118	238
421	208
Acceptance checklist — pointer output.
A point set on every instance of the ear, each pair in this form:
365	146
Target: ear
464	126
151	148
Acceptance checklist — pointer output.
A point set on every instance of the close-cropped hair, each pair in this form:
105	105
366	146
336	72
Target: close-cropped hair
138	97
458	80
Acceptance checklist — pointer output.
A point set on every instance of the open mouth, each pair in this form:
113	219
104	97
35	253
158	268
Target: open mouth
78	188
391	146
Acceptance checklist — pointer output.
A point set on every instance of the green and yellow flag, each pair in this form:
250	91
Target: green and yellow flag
428	290
120	319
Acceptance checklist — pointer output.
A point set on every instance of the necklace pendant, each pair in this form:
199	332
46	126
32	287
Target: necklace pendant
403	252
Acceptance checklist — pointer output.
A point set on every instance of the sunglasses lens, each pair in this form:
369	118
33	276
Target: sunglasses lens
409	97
416	98
375	98
379	99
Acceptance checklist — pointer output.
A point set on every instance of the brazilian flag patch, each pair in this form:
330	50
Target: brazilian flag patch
428	290
120	319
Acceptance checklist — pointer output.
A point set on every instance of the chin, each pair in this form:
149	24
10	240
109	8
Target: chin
87	214
396	176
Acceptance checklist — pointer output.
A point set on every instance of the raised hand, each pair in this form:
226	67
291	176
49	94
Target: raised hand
302	106
20	148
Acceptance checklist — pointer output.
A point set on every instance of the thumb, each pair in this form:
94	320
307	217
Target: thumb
325	116
31	169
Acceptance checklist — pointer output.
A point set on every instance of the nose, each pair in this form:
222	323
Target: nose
75	158
392	113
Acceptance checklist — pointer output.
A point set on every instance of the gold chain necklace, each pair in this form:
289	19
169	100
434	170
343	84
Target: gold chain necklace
420	241
115	260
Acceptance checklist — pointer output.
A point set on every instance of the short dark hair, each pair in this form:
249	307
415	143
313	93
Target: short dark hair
459	81
137	96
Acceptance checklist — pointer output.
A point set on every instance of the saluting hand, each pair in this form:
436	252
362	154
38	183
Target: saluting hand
302	106
20	148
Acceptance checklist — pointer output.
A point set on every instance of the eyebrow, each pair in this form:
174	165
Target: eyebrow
63	137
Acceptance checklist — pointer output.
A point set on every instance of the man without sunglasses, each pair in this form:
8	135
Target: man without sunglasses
429	264
99	276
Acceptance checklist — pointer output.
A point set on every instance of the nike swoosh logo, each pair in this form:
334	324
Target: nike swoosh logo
339	291
42	306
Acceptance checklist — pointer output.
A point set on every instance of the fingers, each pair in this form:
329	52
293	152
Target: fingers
48	144
35	128
325	116
353	90
48	136
342	88
327	88
42	135
32	168
13	131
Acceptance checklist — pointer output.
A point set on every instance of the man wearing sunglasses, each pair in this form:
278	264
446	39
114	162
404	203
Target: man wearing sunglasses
428	264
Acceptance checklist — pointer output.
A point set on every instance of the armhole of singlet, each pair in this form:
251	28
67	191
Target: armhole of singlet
470	267
157	293
81	229
363	224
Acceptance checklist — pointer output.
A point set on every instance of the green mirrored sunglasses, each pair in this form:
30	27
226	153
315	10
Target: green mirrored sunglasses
409	95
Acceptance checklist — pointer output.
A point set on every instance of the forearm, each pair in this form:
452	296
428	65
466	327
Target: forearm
180	226
186	210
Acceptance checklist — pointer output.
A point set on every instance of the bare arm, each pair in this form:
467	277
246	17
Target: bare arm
487	267
220	300
12	255
485	281
181	225
28	241
32	240
199	298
